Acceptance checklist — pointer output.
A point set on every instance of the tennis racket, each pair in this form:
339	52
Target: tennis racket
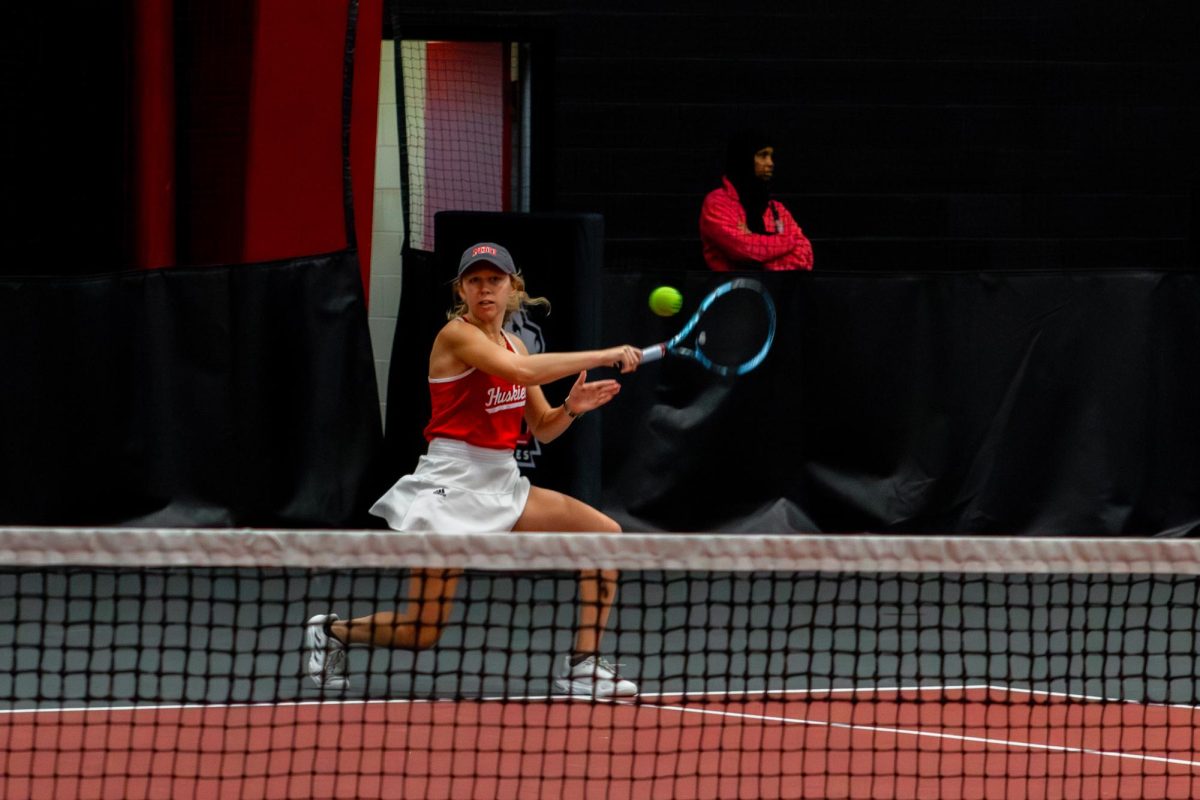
730	333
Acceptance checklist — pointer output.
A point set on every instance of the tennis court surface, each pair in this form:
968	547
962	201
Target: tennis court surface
170	663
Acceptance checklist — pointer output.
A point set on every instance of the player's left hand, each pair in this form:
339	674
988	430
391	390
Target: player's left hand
587	396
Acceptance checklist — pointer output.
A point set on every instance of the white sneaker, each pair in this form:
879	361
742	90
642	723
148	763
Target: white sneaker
326	655
592	677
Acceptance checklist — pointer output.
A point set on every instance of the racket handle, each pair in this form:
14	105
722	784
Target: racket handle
653	353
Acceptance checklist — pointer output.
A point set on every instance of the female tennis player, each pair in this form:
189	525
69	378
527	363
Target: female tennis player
482	382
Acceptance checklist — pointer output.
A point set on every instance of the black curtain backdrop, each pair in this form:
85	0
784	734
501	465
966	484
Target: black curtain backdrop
235	395
1016	403
1051	404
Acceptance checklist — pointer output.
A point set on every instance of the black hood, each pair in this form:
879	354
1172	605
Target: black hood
753	192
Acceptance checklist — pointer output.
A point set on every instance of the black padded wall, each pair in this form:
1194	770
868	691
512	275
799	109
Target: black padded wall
1048	403
216	396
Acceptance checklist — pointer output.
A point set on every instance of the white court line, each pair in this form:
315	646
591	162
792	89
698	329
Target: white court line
958	687
824	690
1013	743
230	706
764	693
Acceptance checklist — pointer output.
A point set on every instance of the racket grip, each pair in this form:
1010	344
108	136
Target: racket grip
653	353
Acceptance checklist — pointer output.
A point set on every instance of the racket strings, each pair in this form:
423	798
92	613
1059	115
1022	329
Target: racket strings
734	328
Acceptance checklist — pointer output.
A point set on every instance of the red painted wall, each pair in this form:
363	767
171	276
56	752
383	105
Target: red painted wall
257	112
464	129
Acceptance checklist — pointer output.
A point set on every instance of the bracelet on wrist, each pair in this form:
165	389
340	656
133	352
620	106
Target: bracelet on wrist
571	413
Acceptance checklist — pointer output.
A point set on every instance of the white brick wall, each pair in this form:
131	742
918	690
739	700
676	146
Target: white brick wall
387	227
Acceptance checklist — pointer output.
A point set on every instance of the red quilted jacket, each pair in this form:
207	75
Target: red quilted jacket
729	244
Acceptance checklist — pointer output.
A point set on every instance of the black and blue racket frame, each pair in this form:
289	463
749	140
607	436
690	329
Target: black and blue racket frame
675	345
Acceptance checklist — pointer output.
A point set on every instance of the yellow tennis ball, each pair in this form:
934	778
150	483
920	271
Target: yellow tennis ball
666	301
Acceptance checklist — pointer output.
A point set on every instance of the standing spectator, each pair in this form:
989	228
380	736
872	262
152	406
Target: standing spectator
741	227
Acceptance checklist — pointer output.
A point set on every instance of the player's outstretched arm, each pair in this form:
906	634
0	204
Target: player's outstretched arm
471	346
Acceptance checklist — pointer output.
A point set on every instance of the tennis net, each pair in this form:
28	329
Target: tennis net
173	663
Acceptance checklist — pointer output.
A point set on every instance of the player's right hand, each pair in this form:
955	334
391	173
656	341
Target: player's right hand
625	357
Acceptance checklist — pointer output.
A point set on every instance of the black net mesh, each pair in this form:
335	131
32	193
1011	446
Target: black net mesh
126	674
462	131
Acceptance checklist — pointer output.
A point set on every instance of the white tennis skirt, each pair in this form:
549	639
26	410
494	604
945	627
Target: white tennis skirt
457	488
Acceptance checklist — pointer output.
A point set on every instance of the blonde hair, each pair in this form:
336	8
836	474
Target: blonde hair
516	301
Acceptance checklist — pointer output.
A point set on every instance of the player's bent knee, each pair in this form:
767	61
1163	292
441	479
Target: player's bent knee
417	637
427	636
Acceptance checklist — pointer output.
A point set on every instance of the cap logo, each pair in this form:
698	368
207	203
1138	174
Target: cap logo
484	250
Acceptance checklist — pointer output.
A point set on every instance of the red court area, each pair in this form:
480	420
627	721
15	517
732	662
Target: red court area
945	743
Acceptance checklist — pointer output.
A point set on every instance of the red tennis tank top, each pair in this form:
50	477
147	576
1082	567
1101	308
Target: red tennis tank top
477	408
